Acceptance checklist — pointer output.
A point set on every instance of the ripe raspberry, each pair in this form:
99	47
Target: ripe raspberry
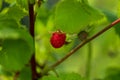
58	39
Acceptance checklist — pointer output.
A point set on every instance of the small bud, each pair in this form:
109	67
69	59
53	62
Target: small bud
82	35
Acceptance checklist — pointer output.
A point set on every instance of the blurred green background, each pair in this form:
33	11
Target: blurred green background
105	48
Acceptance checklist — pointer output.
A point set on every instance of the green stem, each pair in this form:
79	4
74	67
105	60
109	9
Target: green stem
89	60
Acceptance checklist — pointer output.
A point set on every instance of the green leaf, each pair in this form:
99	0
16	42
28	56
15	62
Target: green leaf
67	76
25	74
32	1
112	17
1	4
7	22
10	1
15	12
14	54
43	14
49	78
84	1
23	3
71	76
112	74
118	8
17	45
72	15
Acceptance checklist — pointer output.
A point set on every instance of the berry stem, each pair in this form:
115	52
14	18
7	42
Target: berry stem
85	42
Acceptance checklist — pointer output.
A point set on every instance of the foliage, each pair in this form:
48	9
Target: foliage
112	74
68	76
14	41
70	16
78	15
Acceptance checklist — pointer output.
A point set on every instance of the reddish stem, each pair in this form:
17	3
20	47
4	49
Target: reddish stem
32	22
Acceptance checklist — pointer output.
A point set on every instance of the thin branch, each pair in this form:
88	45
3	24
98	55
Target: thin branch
32	22
84	42
32	16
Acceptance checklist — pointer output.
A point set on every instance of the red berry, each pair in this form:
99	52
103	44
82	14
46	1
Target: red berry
58	39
